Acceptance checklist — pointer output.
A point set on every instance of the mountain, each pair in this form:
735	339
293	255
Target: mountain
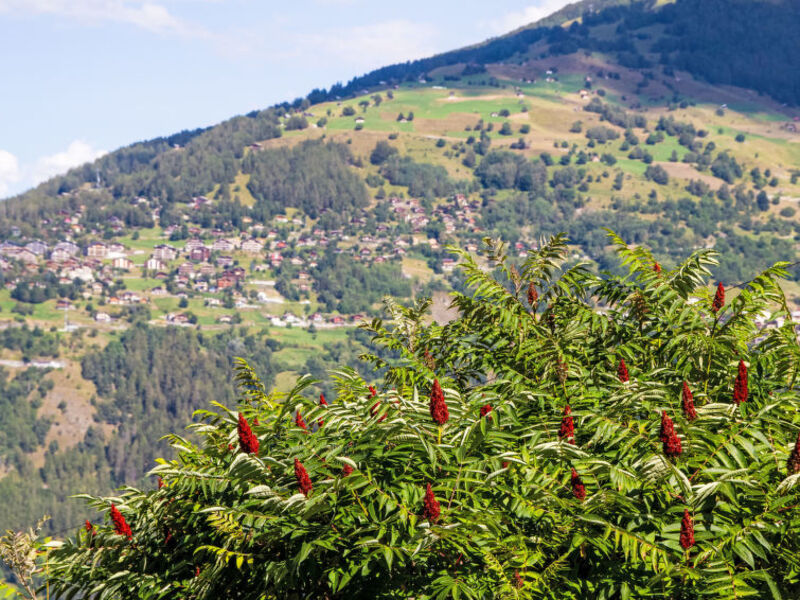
134	279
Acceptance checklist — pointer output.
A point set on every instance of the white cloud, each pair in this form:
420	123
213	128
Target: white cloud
526	16
77	153
374	45
145	14
9	172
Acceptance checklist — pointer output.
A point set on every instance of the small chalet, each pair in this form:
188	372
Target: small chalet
203	253
252	246
153	264
123	263
97	250
223	245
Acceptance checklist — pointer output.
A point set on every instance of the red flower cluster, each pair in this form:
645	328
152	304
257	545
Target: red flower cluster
248	442
346	470
438	406
719	298
567	429
740	386
793	464
486	409
303	480
687	531
656	267
120	525
518	583
374	411
298	420
622	371
90	528
322	402
430	506
688	403
578	489
255	422
372	392
533	295
160	483
670	440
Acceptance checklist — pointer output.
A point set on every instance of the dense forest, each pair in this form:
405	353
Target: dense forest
147	382
312	176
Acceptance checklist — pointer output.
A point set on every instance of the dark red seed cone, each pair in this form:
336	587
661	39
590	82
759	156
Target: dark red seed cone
322	402
688	403
299	421
672	447
346	470
687	531
486	409
438	406
719	298
120	525
374	411
740	391
622	371
248	442
303	480
430	505
567	429
793	464
533	295
518	583
90	528
578	489
372	392
657	267
255	422
160	483
671	443
667	428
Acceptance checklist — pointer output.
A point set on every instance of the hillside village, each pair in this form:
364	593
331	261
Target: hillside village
227	271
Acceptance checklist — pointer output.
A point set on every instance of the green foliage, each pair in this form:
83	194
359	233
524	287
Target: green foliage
296	122
422	179
614	115
726	167
602	134
22	430
657	174
382	152
140	377
502	169
313	176
233	525
347	286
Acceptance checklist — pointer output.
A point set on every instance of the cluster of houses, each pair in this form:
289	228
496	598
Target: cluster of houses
208	262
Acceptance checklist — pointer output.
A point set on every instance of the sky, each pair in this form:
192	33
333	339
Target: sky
79	78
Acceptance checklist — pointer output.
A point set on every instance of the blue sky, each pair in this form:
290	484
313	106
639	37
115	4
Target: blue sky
82	77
